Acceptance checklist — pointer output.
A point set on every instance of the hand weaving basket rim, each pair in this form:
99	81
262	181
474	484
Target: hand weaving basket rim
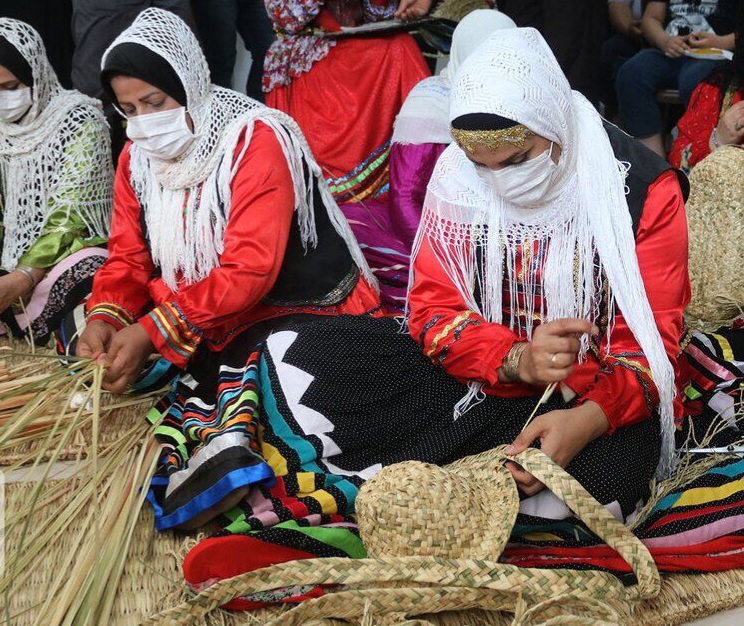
401	586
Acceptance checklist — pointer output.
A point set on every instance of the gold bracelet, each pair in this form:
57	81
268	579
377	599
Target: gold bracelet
510	367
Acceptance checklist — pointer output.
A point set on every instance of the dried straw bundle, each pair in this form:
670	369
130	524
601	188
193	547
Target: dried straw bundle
715	213
99	501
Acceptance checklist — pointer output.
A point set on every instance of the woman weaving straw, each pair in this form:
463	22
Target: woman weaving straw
55	184
221	224
552	250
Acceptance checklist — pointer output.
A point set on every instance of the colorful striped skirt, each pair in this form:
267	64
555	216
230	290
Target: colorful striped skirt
300	424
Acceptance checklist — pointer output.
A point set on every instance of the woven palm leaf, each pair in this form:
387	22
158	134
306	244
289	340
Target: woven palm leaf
715	214
94	499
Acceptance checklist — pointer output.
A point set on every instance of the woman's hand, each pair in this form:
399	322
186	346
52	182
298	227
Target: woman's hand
550	357
412	9
126	357
14	286
675	47
562	434
730	129
95	340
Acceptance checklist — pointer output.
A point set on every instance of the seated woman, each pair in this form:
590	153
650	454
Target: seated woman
56	183
532	267
221	225
715	116
422	129
345	95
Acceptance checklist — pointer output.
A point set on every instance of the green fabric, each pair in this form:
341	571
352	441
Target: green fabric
64	235
339	538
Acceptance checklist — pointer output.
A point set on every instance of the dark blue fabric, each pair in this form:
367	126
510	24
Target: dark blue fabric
260	474
649	71
615	52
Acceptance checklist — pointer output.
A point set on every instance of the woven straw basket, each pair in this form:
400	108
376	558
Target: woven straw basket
434	536
715	215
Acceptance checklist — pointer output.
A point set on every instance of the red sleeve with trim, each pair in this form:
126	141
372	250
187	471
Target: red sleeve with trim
624	388
120	293
256	238
451	335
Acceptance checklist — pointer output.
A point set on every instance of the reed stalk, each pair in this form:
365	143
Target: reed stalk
96	508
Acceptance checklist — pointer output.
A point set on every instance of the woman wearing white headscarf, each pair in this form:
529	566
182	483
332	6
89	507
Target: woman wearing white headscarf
56	182
222	225
422	129
564	245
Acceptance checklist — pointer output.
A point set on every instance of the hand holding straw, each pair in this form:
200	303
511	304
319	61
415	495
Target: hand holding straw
543	399
549	390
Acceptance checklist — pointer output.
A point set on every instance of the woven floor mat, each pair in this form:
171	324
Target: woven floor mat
110	429
152	581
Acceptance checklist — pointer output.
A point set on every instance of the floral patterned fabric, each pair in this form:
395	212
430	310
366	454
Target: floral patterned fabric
295	50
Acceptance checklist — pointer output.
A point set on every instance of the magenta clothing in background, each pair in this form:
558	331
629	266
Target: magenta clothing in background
385	227
411	167
372	224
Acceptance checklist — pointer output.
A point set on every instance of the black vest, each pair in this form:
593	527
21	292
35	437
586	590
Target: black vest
317	276
645	167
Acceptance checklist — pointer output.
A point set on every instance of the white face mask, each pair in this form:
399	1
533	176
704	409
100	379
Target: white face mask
14	104
525	184
163	136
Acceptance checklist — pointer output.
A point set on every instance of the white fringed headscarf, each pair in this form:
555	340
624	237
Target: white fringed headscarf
63	133
187	201
424	116
477	235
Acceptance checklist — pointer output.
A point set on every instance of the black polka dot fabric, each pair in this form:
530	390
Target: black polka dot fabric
388	403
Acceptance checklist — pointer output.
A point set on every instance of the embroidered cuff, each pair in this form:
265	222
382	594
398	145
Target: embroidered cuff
619	380
171	333
110	313
440	344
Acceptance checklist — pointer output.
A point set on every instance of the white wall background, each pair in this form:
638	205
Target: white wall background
242	67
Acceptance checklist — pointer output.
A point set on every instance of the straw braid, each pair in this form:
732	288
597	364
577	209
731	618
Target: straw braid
422	584
584	506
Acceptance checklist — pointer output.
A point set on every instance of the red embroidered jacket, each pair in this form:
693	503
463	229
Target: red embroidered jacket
126	289
470	348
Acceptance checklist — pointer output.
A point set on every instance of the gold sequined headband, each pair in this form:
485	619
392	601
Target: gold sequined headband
469	140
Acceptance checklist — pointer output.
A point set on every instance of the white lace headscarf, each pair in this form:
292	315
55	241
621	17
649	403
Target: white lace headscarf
62	135
424	117
586	217
187	201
